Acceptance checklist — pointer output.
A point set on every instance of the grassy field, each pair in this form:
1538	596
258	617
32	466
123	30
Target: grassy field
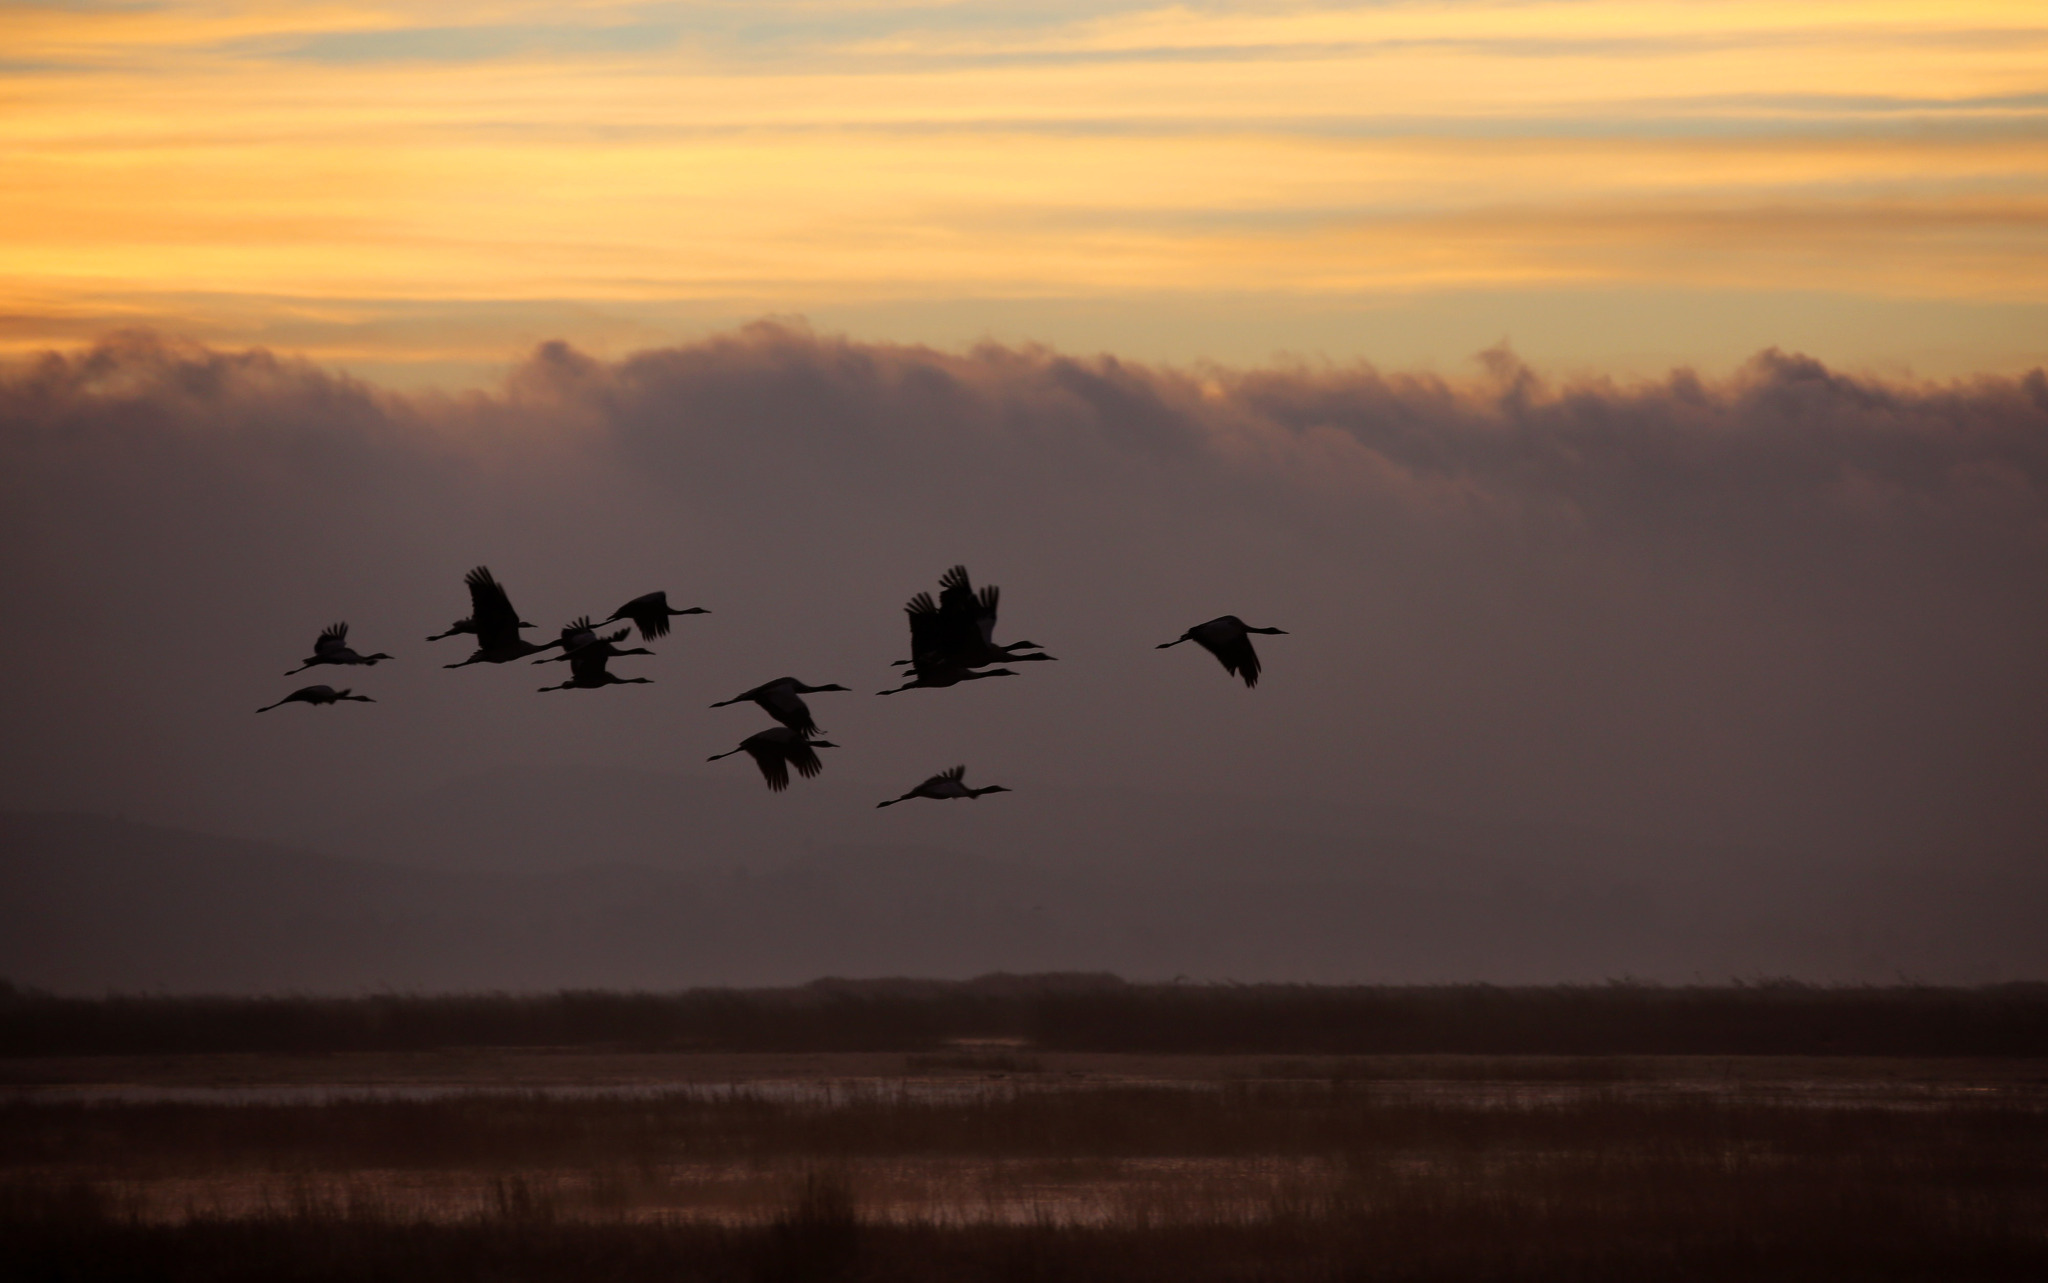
1002	1162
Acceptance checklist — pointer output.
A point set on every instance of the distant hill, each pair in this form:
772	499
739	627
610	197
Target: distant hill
89	903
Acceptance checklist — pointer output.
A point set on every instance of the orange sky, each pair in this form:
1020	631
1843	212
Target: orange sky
1610	185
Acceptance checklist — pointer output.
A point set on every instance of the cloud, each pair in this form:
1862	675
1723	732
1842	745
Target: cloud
1791	607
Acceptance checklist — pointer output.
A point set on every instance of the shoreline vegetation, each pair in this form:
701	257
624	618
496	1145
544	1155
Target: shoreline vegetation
735	1136
1069	1012
996	1165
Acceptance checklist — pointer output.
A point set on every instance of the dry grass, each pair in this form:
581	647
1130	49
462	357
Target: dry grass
1316	1170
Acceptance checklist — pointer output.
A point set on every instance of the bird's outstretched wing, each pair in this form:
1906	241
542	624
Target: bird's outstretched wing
927	627
335	638
497	624
940	780
954	586
985	614
786	706
649	614
804	758
1239	659
589	659
774	767
965	630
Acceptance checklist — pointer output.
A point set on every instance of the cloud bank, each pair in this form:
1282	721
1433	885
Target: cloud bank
1791	610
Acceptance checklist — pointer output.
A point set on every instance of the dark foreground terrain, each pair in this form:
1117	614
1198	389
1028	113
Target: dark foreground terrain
1005	1162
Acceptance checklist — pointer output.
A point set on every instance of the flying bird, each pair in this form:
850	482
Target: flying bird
944	787
777	749
782	699
332	648
588	673
496	624
959	629
469	626
1227	638
587	660
931	673
651	614
580	635
316	695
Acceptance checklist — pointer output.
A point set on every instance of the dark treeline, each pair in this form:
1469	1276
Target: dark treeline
1071	1013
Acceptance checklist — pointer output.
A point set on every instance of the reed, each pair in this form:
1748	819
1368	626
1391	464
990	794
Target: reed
1346	1178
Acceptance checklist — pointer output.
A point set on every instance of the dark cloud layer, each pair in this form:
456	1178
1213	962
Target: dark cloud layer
1793	610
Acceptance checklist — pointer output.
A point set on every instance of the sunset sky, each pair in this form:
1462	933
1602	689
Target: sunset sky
422	193
1634	415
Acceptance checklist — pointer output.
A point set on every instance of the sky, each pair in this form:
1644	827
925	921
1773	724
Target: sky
422	194
1633	412
1789	610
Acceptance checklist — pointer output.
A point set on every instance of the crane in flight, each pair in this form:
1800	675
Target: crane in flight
587	672
580	635
316	695
332	648
959	628
650	614
944	787
782	699
1228	638
777	749
588	654
496	624
932	673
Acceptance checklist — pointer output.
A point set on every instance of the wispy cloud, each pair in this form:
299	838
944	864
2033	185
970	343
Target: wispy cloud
811	156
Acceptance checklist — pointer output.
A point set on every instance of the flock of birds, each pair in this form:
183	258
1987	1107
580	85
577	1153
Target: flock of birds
952	640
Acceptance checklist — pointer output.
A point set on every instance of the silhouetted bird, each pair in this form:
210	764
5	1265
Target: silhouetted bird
1227	638
316	695
469	626
588	673
959	629
782	699
588	654
931	674
777	749
943	787
580	635
496	624
332	648
651	614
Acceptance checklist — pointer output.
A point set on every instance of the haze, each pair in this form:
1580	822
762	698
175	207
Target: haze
1632	410
1717	639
